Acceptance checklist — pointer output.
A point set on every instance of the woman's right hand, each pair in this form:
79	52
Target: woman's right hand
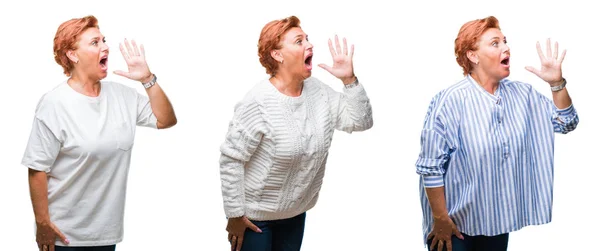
443	229
236	228
46	236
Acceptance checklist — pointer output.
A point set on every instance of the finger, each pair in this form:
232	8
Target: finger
136	50
122	73
456	232
233	244
539	51
51	247
434	243
229	236
251	225
325	67
449	245
562	57
555	53
123	52
345	47
239	242
338	49
351	51
128	46
440	245
143	52
331	48
548	48
430	235
533	70
60	235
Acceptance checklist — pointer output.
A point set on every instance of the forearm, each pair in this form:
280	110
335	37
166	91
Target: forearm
355	110
232	186
161	107
38	189
561	98
437	201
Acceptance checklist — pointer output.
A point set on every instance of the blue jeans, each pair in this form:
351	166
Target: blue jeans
277	235
476	243
98	248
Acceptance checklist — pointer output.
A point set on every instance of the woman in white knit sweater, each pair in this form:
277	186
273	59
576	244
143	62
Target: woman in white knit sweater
273	158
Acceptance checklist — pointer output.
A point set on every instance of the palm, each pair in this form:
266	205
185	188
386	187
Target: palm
550	70
137	68
342	60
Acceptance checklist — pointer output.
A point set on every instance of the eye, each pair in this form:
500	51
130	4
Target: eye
495	44
298	41
94	42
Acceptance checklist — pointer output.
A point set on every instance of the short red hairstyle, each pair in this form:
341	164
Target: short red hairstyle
467	39
66	39
270	36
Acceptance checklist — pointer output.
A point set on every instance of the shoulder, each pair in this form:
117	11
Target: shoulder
53	98
254	97
453	93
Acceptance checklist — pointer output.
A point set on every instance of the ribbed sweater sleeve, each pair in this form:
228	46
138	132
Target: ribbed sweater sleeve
242	139
351	110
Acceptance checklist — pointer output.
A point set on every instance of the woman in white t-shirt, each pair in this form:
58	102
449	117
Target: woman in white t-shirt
79	149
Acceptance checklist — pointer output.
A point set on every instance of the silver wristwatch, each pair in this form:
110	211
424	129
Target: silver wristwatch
151	83
559	87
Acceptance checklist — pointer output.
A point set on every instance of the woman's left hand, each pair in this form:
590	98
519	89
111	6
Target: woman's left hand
342	61
136	62
551	64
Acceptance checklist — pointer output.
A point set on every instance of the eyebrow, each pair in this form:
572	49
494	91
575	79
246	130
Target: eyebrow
497	38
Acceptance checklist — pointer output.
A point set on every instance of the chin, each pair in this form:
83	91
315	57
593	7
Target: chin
102	75
307	74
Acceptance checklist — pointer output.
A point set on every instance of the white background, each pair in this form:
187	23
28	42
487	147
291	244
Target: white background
205	58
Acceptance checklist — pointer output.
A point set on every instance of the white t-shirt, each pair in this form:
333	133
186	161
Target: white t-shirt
84	145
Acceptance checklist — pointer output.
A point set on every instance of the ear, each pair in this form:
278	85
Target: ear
73	56
473	57
276	54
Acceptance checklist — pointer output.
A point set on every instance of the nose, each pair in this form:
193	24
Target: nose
105	46
506	49
310	45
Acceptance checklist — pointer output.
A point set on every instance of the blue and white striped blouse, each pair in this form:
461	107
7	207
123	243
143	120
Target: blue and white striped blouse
494	155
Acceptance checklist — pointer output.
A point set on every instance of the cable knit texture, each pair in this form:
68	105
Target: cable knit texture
274	155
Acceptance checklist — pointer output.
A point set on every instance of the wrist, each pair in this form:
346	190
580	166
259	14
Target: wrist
43	220
150	83
440	216
349	80
147	78
557	86
557	83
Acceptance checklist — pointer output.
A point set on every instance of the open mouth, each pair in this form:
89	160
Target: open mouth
104	62
505	61
308	61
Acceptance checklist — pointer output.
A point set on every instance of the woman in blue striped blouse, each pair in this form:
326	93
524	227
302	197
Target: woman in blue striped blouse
487	145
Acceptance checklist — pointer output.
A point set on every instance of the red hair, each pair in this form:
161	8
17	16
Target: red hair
467	39
270	36
66	39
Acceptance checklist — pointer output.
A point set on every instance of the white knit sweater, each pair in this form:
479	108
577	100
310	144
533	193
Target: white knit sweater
274	155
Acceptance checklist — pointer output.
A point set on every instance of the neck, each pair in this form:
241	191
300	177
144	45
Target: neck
288	84
488	83
84	84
